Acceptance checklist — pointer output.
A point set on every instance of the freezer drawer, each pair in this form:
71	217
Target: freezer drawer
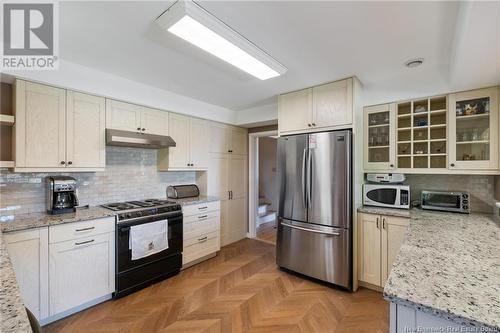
316	251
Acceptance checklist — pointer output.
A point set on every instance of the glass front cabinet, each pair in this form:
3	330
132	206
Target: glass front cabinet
379	147
473	119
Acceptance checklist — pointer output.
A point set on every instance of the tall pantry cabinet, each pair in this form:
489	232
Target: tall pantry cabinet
228	179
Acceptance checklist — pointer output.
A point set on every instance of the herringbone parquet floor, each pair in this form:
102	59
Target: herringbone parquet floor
240	290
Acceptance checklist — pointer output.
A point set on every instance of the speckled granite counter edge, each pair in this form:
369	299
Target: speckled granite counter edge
384	211
195	200
12	310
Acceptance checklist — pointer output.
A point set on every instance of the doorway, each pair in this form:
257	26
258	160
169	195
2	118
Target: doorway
263	189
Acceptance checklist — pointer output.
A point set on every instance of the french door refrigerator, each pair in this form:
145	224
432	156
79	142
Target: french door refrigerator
315	209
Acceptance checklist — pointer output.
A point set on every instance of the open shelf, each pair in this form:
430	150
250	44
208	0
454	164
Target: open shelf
473	142
474	116
375	147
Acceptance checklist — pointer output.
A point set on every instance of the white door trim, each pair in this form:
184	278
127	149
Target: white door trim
253	179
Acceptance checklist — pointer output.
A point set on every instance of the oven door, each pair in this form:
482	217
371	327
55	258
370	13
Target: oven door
383	196
124	254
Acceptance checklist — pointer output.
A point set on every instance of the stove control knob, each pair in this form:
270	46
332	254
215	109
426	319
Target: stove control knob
129	215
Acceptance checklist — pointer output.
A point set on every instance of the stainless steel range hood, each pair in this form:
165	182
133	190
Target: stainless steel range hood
137	140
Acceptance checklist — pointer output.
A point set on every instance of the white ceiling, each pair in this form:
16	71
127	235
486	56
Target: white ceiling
317	41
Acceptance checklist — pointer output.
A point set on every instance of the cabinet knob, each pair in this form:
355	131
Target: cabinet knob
70	162
143	129
452	164
138	128
309	125
62	162
313	124
392	165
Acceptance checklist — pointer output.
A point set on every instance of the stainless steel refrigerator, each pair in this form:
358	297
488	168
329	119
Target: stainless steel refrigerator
315	206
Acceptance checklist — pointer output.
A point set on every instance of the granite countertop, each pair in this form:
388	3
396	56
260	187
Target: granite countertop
12	311
398	212
449	266
195	200
38	220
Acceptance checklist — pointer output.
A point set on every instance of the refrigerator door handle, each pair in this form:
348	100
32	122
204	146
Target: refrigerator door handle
304	181
309	178
310	230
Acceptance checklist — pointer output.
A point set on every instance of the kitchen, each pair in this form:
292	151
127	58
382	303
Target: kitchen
127	195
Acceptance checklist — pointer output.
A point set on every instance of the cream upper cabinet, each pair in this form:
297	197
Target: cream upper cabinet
154	121
58	129
123	116
332	104
380	139
369	249
294	111
199	132
329	106
473	119
219	140
192	140
380	238
238	141
40	127
85	128
28	252
178	156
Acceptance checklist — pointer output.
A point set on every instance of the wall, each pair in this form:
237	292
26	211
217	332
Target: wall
480	187
131	174
267	171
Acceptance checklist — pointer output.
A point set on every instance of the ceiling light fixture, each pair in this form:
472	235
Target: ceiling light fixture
189	21
414	62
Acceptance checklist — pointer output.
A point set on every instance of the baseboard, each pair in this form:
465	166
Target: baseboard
370	286
75	310
197	261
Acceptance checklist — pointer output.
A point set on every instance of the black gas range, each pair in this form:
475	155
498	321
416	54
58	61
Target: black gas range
132	275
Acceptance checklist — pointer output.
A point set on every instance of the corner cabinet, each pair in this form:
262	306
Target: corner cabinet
325	107
58	130
380	238
380	141
192	139
473	120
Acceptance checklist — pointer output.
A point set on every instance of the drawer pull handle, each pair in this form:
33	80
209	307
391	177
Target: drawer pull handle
86	242
204	207
85	229
203	239
203	217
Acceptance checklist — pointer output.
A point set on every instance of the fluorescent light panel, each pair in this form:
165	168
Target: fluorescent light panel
192	23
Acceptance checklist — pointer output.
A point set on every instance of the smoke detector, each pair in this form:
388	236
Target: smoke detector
414	62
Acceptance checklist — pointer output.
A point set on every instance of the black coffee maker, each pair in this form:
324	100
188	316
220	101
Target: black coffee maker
61	195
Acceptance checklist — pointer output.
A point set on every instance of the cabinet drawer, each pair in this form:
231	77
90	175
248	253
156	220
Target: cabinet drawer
64	232
201	248
200	217
201	228
201	240
200	208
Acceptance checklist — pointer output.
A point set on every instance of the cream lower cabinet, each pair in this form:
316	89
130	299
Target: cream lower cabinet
58	130
324	107
201	232
192	139
228	181
380	238
28	252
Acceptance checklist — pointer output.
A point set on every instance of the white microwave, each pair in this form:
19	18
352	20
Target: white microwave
391	196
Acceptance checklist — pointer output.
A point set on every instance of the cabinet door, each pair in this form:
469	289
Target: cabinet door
473	133
332	104
28	252
199	140
393	233
178	128
237	176
123	116
80	271
380	139
218	176
219	138
236	222
294	111
224	227
85	131
40	125
238	141
369	249
154	121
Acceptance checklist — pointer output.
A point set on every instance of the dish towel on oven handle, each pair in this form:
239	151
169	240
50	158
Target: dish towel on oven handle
148	238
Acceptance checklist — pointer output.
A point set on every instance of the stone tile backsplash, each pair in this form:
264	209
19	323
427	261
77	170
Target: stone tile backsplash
131	174
480	187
